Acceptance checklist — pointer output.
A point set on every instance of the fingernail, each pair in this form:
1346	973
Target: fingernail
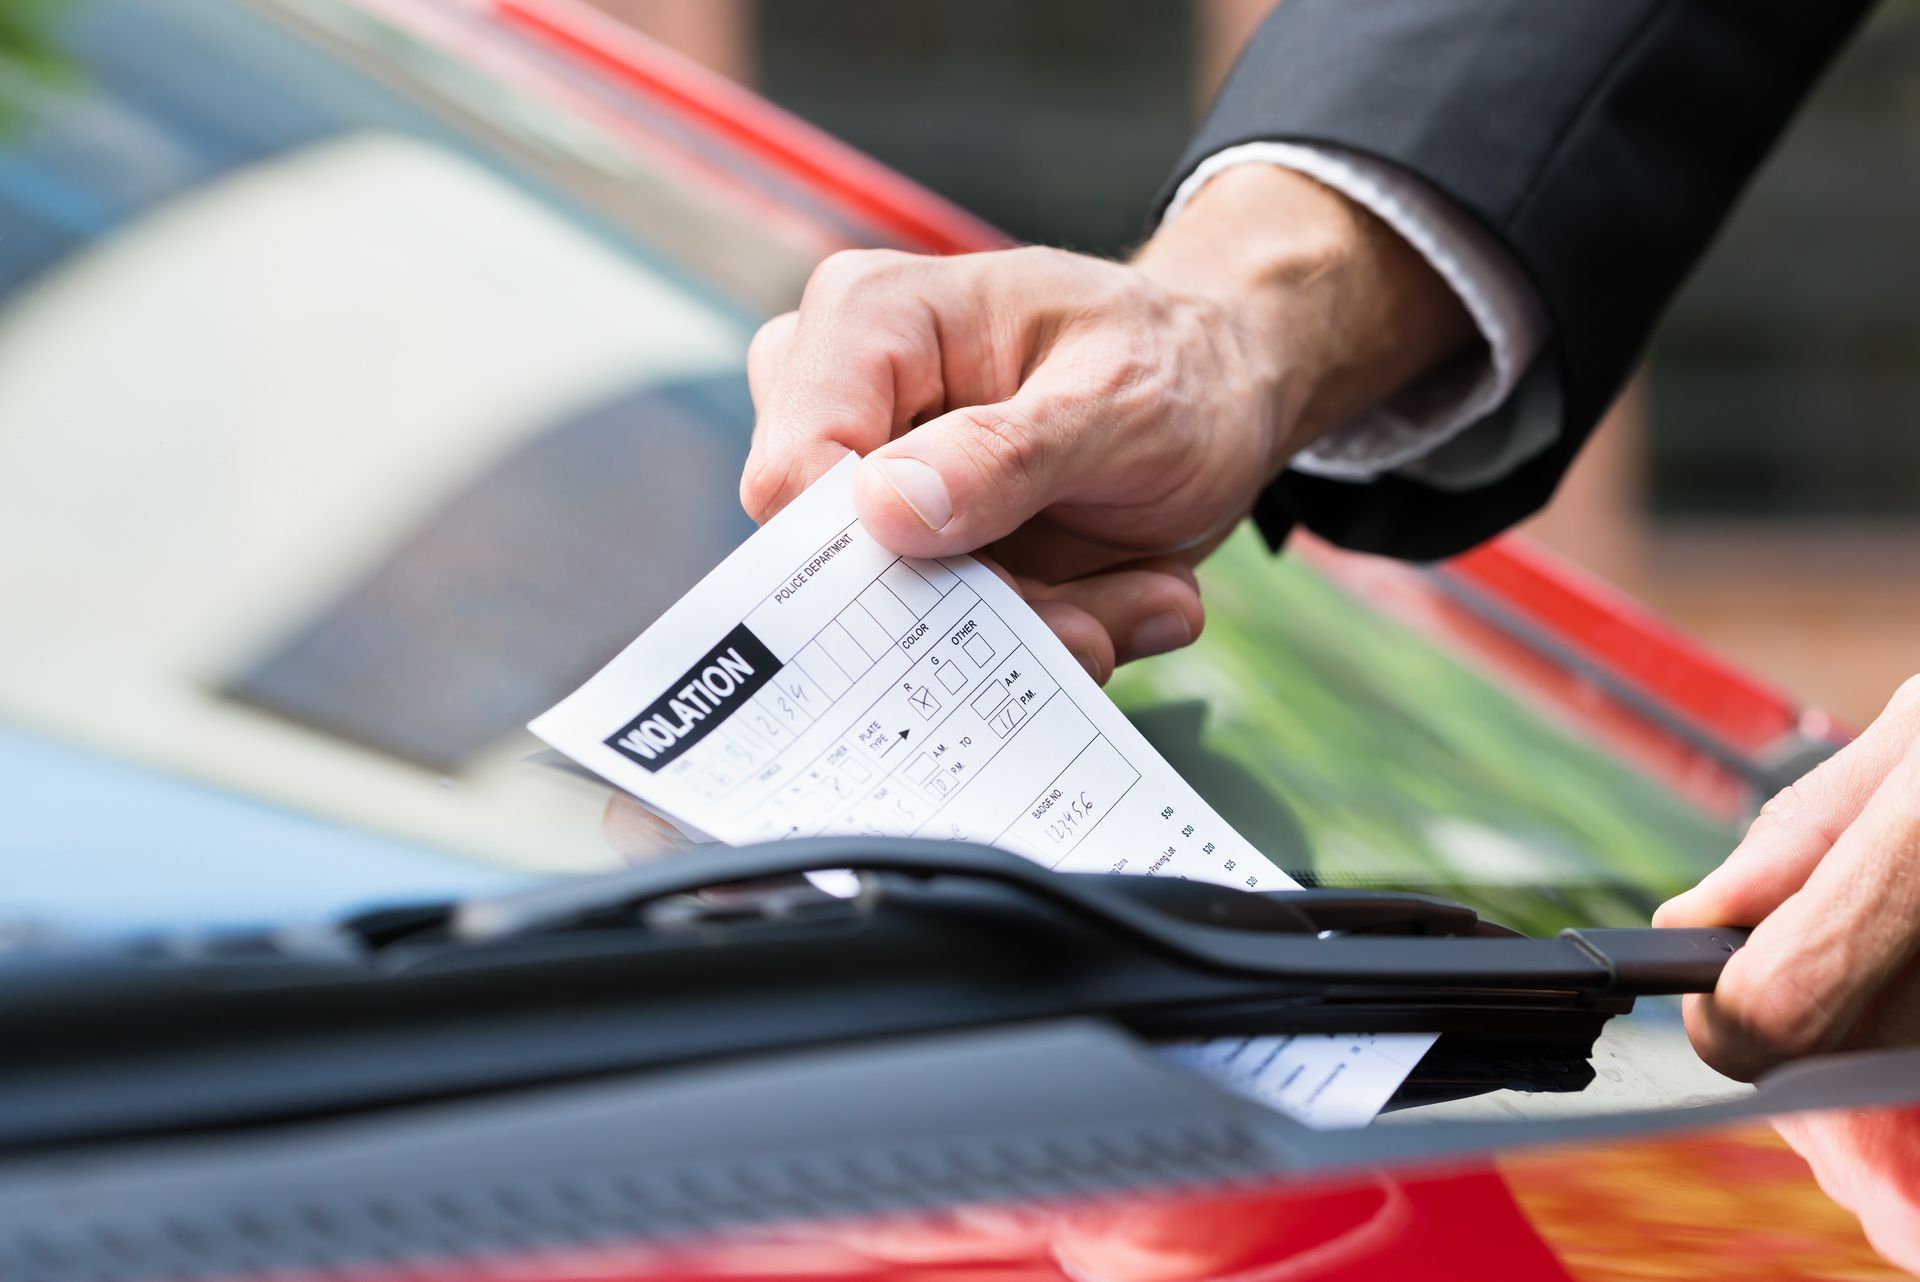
1159	634
1088	662
920	488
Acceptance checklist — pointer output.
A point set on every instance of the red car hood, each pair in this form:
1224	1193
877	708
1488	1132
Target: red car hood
1752	1199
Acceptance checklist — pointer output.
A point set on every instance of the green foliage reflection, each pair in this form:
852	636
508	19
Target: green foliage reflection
29	55
1346	745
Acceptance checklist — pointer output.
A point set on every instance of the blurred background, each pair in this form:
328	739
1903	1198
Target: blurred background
1759	484
371	371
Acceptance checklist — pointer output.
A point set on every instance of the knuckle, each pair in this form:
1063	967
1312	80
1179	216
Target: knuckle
1782	807
1073	282
1036	258
1779	1028
1132	381
770	336
849	269
1767	1014
1003	445
1122	370
892	353
1784	815
1910	764
1906	699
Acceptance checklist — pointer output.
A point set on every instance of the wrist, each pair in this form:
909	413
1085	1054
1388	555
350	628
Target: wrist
1333	312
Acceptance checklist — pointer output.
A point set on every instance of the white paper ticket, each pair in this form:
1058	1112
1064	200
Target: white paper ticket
815	683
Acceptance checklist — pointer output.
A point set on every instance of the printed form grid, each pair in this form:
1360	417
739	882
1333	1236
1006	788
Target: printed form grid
841	653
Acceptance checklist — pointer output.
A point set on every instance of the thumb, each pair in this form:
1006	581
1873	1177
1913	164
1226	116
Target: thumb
970	476
1796	828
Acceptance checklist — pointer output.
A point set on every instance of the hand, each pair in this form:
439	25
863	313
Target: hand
1097	426
1829	878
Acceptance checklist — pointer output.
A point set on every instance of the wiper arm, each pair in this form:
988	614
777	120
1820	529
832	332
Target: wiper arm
1435	944
637	970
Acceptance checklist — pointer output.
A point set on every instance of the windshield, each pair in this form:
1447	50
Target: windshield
1361	753
364	386
335	380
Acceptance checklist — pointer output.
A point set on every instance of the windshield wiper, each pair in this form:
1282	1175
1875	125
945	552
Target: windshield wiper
723	953
1343	939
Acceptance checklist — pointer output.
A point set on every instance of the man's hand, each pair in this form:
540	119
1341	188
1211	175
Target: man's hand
1829	878
1096	426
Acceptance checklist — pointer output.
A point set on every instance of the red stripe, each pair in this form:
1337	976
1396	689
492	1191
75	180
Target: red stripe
861	187
1629	641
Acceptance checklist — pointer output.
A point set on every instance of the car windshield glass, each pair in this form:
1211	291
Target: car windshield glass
1360	752
358	396
365	384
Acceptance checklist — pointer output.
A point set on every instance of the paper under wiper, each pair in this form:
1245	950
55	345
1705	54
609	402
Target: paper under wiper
817	684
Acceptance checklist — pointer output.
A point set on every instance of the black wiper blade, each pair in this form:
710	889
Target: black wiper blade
646	969
1448	950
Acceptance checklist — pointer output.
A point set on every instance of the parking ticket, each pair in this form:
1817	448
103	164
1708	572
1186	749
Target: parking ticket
816	684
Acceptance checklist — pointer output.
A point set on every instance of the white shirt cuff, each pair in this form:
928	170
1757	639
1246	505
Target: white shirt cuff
1402	433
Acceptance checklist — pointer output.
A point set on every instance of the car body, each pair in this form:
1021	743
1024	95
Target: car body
370	370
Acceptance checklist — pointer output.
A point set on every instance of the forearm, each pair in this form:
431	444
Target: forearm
1338	310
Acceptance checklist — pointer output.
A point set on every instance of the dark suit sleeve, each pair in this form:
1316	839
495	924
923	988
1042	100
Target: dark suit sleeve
1601	141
